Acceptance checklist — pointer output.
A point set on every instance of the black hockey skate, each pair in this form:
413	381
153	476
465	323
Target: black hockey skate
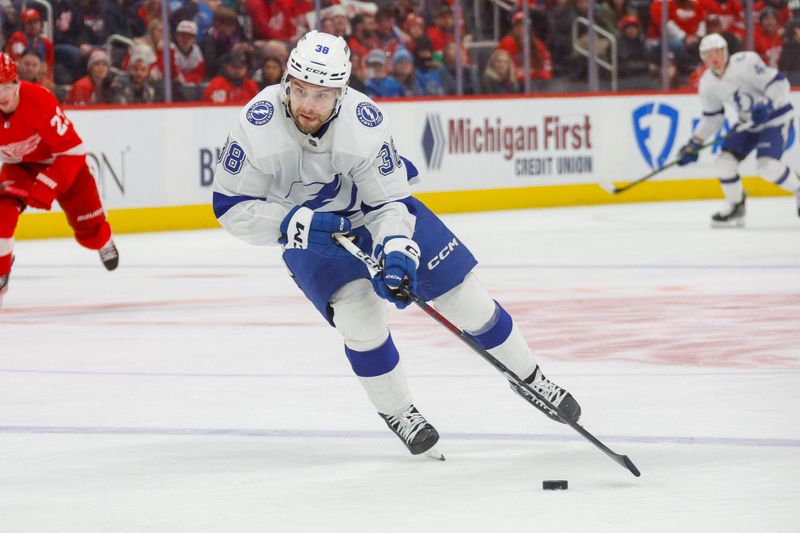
557	396
412	428
109	255
730	216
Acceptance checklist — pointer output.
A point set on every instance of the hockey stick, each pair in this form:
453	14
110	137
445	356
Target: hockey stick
375	268
613	189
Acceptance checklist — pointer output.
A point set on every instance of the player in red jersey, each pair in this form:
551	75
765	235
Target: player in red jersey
44	160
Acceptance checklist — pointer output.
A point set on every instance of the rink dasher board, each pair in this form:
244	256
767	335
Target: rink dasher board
154	165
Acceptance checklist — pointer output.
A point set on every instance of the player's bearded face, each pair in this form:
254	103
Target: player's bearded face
311	105
9	97
715	59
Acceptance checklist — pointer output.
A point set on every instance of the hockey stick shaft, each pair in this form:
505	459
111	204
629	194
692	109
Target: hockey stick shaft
375	268
617	190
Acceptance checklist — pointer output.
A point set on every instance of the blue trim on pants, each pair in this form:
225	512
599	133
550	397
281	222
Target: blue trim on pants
375	362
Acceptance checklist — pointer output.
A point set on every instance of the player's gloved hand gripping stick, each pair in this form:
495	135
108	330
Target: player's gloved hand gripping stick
375	270
613	189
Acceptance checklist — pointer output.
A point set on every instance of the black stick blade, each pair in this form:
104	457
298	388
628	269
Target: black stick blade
630	466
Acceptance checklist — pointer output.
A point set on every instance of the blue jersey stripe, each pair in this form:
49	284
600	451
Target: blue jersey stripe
223	203
778	77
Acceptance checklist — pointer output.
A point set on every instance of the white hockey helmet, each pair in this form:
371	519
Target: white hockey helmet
713	41
320	59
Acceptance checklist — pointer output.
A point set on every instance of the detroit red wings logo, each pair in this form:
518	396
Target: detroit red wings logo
14	152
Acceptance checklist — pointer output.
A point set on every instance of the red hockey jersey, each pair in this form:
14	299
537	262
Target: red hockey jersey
38	131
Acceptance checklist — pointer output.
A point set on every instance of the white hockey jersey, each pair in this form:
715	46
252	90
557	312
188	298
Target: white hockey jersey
745	82
351	168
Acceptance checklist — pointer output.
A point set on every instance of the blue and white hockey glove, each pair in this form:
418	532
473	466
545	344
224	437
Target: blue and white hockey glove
760	112
306	229
689	153
400	259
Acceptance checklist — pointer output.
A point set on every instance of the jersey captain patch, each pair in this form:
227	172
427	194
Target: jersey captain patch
368	114
260	113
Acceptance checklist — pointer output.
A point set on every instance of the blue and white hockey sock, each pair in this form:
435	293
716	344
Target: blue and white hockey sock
732	189
501	338
382	376
788	181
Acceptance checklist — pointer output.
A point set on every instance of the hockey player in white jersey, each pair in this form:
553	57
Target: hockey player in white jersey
760	96
309	158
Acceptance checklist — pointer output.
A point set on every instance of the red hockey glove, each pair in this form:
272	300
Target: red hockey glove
42	193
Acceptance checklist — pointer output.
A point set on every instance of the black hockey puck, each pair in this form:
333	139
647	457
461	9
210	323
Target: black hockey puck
554	484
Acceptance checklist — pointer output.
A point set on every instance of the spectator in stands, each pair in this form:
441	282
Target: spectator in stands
766	39
634	58
70	43
429	82
540	62
781	7
731	17
789	62
443	29
685	28
270	73
31	68
135	86
278	49
149	10
195	11
714	25
622	8
413	29
358	74
222	37
31	38
191	69
447	72
363	39
121	18
233	85
277	19
339	20
9	19
499	76
378	84
403	71
95	87
386	30
150	44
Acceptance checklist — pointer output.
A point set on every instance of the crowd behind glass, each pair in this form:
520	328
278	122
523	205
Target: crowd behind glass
224	51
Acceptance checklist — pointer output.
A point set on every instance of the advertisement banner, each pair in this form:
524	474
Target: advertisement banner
472	154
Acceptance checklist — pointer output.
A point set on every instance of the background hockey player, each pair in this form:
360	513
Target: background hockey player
760	95
44	161
310	158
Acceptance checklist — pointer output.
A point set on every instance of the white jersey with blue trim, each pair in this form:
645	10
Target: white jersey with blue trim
745	82
349	167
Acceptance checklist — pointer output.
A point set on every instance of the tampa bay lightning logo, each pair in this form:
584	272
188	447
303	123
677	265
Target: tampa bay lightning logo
260	113
368	114
744	102
643	131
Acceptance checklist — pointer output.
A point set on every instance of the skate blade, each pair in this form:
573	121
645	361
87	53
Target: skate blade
433	453
732	224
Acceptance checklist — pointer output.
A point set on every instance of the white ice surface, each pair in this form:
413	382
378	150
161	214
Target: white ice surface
194	389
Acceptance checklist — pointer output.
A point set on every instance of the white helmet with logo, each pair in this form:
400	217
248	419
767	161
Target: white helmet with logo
320	59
